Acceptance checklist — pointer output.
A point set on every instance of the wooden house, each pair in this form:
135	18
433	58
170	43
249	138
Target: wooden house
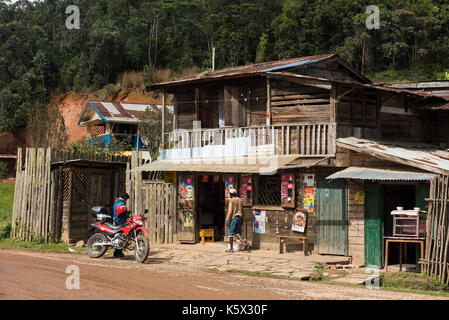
277	132
116	120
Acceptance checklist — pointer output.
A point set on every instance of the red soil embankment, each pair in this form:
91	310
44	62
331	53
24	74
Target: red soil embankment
72	105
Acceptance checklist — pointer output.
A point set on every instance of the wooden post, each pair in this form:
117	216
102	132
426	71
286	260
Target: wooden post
197	104
268	102
163	119
333	103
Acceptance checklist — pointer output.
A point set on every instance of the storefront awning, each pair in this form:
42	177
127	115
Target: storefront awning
381	174
261	164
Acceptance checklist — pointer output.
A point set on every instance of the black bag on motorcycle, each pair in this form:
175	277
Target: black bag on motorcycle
101	213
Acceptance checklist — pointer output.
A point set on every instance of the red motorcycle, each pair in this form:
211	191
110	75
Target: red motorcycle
117	237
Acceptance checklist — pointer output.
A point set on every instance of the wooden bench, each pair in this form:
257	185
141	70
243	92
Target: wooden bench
283	238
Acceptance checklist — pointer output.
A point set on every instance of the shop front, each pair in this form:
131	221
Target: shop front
281	204
391	206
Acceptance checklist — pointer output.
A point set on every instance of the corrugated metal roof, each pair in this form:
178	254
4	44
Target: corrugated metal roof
261	164
256	69
422	94
381	174
260	67
423	156
118	112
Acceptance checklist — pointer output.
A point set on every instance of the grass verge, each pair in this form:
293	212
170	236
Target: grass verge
39	245
6	202
413	283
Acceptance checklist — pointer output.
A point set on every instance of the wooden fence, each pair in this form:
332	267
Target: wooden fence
35	196
435	263
156	196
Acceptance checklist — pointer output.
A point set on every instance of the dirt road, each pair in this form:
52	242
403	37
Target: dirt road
34	275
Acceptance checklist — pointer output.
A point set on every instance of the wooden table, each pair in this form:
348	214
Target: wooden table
401	241
283	238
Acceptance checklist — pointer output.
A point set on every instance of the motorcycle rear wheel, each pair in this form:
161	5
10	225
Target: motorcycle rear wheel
141	254
96	251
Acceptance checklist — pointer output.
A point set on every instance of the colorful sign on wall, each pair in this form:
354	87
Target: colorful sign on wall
246	188
287	181
187	188
259	221
299	221
359	197
229	183
309	200
188	219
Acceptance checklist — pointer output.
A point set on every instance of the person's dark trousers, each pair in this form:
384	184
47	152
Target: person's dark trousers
118	253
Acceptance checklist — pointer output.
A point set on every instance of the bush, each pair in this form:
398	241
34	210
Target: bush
39	240
5	231
3	170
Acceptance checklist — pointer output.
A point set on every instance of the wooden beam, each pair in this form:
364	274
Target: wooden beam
268	102
333	103
197	104
163	119
175	113
344	94
378	107
304	81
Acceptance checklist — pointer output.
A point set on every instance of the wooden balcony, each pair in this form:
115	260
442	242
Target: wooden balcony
303	139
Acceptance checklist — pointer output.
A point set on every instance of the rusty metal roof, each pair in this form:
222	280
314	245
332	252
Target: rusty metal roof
422	94
362	173
423	156
256	69
118	112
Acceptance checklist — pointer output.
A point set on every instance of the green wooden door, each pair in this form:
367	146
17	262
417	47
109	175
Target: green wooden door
421	192
373	225
332	218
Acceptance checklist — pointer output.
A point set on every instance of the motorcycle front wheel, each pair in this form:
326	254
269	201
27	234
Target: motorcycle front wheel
141	254
96	251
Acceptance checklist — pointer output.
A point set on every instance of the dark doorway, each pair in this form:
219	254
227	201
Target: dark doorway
398	196
211	205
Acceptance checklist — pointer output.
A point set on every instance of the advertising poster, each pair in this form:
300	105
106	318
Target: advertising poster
299	221
287	186
246	188
205	178
309	200
188	219
187	188
229	183
259	221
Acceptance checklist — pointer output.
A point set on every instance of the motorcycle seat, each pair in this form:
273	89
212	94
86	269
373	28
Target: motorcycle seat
114	227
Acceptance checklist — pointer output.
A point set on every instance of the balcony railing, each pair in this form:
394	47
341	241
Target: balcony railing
304	139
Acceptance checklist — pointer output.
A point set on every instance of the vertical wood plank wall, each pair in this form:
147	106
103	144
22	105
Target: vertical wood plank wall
156	196
435	262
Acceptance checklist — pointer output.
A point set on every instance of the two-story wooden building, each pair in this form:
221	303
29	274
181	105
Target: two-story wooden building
283	133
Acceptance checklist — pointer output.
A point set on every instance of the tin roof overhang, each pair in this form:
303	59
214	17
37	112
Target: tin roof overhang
260	164
257	70
422	156
306	80
361	173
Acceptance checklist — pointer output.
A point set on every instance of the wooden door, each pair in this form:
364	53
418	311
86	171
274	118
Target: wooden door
332	221
373	224
235	106
422	191
187	215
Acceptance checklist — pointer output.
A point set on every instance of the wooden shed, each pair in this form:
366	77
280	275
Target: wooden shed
55	190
